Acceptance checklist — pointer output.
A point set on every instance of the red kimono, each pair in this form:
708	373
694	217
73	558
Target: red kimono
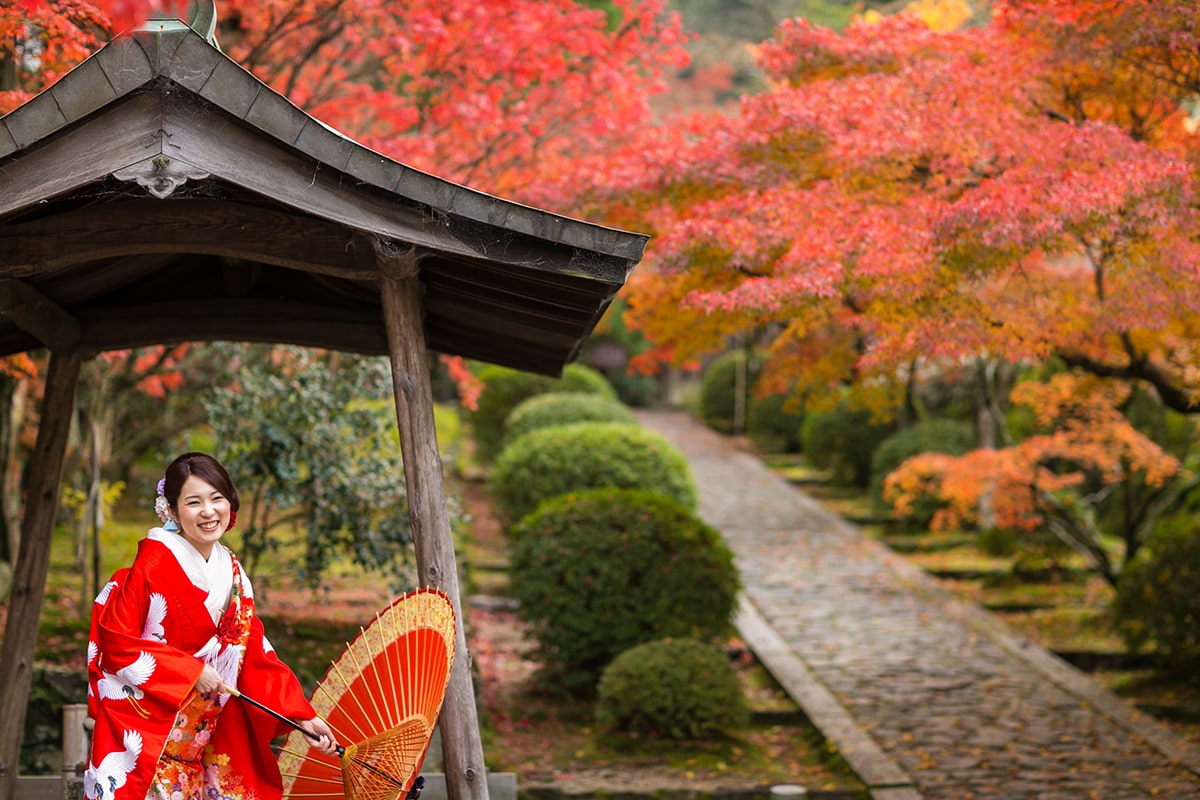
155	736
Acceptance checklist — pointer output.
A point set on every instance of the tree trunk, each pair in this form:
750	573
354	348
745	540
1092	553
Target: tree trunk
8	73
29	579
993	382
462	748
11	479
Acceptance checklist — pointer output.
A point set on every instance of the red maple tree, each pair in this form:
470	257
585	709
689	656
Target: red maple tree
903	195
907	199
501	96
497	95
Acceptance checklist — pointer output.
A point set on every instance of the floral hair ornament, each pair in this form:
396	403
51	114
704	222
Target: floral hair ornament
162	508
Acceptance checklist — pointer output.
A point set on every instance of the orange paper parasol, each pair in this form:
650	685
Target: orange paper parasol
383	694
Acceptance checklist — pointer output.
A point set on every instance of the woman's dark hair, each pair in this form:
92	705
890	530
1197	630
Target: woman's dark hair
203	466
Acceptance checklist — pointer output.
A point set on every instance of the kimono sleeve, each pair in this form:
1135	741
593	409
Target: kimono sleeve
271	678
163	674
93	646
136	685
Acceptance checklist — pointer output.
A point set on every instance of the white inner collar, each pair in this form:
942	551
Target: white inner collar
214	575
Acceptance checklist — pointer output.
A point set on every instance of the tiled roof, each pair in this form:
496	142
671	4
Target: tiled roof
504	282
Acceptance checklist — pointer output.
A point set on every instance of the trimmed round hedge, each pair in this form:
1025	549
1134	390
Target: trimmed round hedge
598	572
770	427
1158	597
843	441
950	436
504	389
564	408
679	689
718	393
547	462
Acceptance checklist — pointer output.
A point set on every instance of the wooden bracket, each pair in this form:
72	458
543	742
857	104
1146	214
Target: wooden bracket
160	175
397	260
32	311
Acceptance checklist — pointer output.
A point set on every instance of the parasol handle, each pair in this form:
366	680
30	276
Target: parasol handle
287	721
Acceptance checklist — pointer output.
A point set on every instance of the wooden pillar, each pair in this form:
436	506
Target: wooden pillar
33	560
462	748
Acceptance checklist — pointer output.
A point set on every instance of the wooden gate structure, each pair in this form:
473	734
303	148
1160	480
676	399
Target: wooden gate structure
160	193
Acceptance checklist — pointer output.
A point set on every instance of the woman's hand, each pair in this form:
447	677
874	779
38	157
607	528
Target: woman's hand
209	680
326	744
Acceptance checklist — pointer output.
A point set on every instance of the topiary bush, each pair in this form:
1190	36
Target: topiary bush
564	408
718	393
1030	551
504	389
547	462
679	689
843	441
600	571
1158	597
772	428
926	436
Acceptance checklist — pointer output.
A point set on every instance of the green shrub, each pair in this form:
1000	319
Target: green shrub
633	388
504	389
548	462
1030	551
563	408
843	441
598	572
678	689
770	427
718	395
1158	597
927	436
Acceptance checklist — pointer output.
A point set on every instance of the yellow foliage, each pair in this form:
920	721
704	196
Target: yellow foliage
942	15
75	501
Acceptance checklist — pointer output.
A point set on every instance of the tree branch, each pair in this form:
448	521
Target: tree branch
1079	536
1173	396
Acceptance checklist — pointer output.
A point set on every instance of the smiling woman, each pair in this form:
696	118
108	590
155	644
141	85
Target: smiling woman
170	635
204	506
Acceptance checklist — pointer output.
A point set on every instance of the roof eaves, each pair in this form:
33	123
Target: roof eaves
115	70
170	49
237	91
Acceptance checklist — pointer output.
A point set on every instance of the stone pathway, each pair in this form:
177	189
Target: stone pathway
925	696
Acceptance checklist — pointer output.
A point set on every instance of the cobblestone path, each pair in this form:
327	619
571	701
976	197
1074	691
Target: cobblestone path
939	699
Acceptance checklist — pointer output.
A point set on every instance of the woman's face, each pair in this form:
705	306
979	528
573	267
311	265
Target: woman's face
202	514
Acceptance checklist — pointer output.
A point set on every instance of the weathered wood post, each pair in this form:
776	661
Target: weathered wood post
400	285
76	749
33	560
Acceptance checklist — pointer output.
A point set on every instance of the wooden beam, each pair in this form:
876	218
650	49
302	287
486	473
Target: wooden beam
213	227
235	319
33	560
34	312
462	748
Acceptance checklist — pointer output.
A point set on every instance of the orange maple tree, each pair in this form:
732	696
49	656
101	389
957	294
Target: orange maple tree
905	200
1083	448
906	196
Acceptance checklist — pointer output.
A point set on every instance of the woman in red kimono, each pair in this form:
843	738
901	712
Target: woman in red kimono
168	634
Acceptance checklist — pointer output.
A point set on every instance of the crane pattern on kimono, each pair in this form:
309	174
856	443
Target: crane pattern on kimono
125	683
101	781
153	628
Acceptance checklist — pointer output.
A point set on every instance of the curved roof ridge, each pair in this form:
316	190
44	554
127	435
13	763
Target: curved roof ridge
170	49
